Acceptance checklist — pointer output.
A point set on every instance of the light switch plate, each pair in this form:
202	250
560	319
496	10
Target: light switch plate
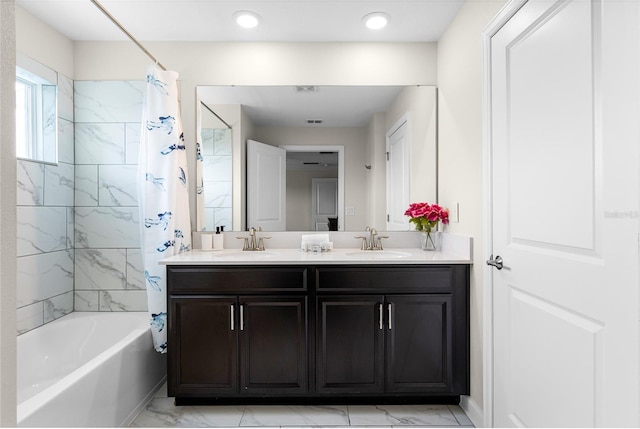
454	213
351	211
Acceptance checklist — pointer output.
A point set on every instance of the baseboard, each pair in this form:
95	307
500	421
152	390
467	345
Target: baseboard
472	410
141	406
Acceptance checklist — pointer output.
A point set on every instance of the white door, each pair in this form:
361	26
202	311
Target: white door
398	174
324	202
565	110
266	186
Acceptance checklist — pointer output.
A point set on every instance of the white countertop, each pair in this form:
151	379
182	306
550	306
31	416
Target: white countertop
396	256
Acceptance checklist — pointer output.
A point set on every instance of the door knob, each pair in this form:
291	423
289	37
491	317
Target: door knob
497	262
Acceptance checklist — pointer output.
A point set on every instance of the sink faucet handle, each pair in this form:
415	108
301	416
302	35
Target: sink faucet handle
261	242
364	241
379	242
245	245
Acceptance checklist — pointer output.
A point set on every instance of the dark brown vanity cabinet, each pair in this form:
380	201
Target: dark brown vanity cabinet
226	345
413	341
324	331
376	343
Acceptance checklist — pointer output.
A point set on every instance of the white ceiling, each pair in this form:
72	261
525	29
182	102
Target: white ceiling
282	20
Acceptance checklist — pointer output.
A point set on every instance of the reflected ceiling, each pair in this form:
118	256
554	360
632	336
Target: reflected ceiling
292	106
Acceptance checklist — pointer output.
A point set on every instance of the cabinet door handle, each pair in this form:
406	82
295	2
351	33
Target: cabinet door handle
381	316
232	321
241	317
390	316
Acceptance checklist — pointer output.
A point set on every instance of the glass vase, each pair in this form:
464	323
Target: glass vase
431	240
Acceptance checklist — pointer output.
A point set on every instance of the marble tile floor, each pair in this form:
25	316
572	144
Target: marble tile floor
161	412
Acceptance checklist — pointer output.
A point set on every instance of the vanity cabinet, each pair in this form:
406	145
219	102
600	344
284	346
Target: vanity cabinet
411	341
364	338
227	345
330	331
350	344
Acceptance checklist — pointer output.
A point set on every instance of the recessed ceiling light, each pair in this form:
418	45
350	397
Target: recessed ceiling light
376	20
246	18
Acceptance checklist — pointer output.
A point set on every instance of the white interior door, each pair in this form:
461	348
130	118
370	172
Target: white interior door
564	139
398	174
266	186
324	202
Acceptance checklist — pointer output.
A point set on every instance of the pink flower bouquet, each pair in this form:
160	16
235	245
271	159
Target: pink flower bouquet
426	216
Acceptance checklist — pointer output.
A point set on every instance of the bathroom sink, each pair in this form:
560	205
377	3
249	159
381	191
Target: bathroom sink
378	254
244	255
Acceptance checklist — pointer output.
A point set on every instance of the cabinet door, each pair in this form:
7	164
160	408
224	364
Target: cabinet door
350	344
203	346
419	343
273	345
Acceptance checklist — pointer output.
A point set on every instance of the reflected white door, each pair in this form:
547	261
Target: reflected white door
565	182
266	186
324	202
398	174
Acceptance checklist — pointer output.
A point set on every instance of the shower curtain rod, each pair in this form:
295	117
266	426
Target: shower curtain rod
124	30
216	115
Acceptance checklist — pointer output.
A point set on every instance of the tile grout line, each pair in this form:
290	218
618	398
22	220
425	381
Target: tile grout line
454	415
244	410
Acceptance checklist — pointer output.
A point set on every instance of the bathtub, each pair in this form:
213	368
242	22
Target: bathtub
87	369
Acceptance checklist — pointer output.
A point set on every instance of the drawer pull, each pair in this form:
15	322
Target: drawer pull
241	317
389	309
232	321
381	315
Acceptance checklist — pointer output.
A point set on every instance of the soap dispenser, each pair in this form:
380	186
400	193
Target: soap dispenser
218	238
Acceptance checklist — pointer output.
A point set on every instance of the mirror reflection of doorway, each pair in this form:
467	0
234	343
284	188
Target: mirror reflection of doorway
312	189
324	203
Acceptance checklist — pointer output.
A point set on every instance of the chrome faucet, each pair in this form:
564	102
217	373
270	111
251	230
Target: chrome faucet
253	242
370	242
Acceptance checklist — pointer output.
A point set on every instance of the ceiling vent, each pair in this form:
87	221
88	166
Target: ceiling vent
306	88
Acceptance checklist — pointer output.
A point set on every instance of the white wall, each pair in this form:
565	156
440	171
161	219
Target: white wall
211	63
420	103
42	43
354	142
376	177
7	216
460	150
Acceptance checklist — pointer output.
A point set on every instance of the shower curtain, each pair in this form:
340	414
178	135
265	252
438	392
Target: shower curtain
163	196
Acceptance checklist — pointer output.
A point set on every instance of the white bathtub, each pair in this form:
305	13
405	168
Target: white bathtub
87	369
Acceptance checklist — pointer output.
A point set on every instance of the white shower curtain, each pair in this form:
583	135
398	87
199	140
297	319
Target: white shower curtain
163	195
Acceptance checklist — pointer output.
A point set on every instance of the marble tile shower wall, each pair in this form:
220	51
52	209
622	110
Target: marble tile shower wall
45	229
108	263
216	174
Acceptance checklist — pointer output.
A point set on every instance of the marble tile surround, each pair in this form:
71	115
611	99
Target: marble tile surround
87	201
45	226
108	267
108	101
217	168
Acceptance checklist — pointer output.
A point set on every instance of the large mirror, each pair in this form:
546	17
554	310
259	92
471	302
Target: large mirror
352	156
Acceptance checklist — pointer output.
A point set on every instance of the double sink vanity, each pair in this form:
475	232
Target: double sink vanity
347	325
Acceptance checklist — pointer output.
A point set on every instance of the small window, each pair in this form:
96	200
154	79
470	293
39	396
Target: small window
36	119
